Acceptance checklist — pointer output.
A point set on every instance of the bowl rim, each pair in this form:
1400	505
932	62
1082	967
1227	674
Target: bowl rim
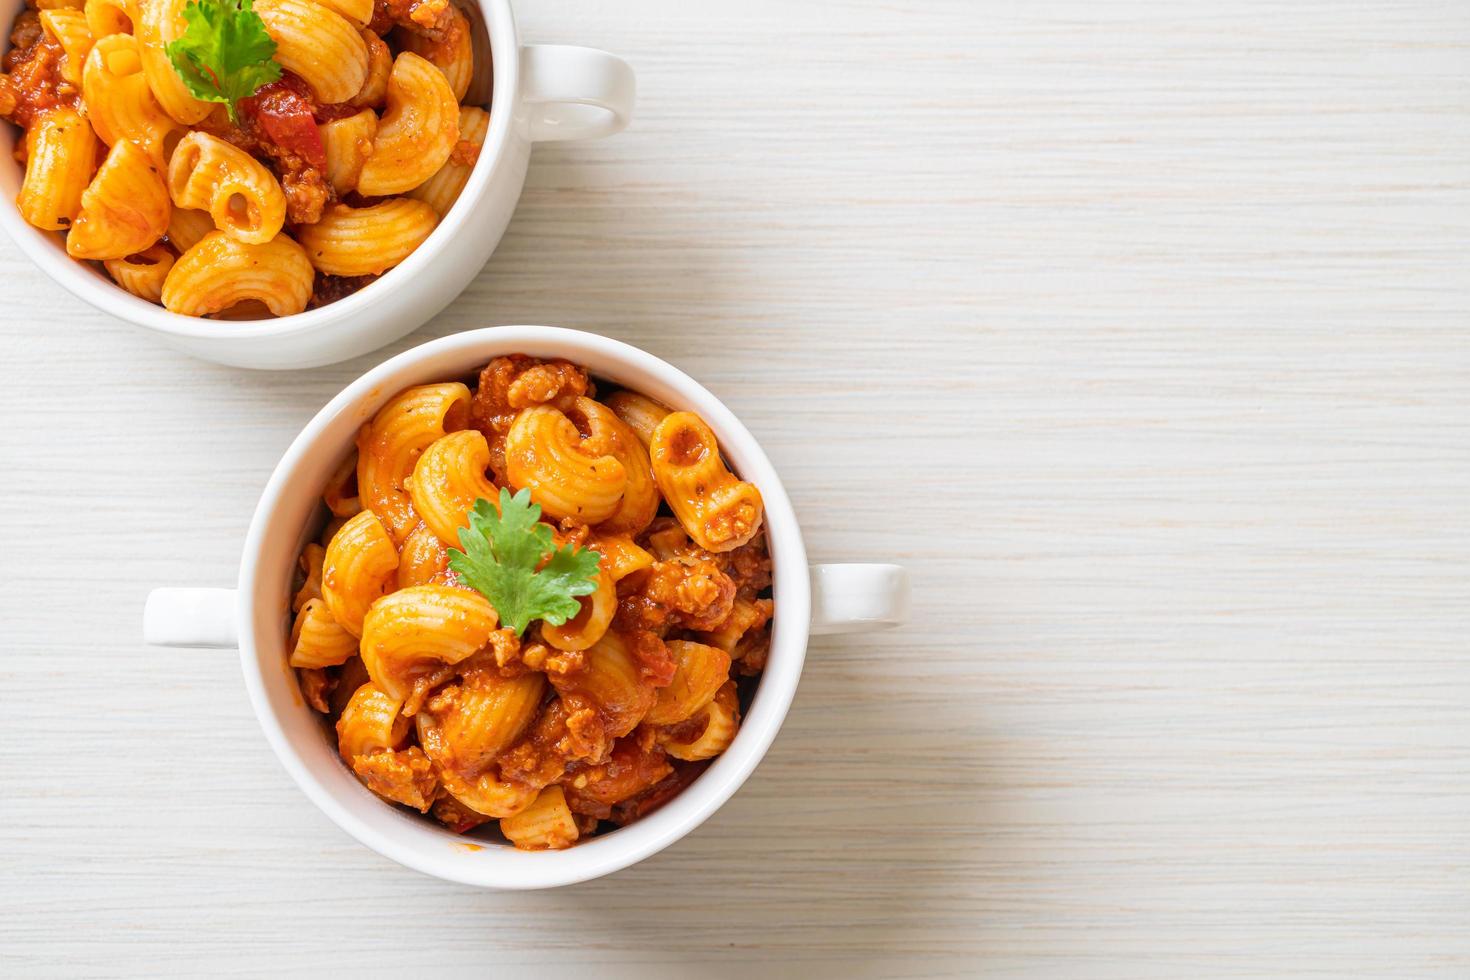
502	867
85	282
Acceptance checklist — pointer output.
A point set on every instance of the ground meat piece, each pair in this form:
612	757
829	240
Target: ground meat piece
749	566
550	382
9	98
25	33
406	776
640	806
465	153
329	289
568	729
570	531
754	648
509	384
317	687
686	731
687	590
306	188
34	85
278	126
635	766
655	662
283	113
455	815
430	18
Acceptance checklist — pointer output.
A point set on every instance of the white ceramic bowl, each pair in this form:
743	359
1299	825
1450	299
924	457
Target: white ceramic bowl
826	598
541	92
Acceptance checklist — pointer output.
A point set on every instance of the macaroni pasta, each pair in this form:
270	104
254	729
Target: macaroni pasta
570	727
355	153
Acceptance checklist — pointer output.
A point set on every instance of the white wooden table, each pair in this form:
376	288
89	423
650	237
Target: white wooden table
1140	331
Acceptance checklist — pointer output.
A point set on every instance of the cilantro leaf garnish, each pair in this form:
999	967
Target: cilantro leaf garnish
224	54
502	552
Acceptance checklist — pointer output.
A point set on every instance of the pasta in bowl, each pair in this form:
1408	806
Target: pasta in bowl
323	174
426	643
582	658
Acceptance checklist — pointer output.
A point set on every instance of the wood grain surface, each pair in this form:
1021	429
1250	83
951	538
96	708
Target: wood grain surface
1139	331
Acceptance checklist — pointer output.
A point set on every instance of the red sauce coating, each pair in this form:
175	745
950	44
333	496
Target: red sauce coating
285	116
274	126
431	18
33	84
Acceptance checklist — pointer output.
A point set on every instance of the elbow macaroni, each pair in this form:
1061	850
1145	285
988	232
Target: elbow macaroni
719	511
453	56
447	480
187	228
318	640
443	189
119	102
699	672
61	154
417	132
310	566
639	412
161	23
468	725
568	475
240	194
591	623
709	732
370	723
348	143
340	495
318	44
358	12
410	633
124	210
380	65
70	29
389	447
98	71
357	568
612	680
142	274
547	824
369	240
104	17
423	559
219	272
602	718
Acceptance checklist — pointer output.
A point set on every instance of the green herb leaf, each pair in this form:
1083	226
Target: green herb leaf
224	54
500	558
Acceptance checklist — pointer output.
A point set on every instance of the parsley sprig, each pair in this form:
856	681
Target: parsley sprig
224	54
503	559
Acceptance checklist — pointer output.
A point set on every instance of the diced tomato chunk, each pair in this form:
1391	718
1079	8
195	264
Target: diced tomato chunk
287	117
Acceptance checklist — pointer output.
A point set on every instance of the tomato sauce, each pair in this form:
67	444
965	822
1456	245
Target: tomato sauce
284	113
430	18
278	124
33	84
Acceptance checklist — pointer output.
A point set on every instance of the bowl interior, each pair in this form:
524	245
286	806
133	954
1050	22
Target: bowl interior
90	283
289	514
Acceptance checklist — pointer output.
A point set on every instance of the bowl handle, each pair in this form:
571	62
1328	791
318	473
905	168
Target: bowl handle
573	93
848	598
858	598
191	618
